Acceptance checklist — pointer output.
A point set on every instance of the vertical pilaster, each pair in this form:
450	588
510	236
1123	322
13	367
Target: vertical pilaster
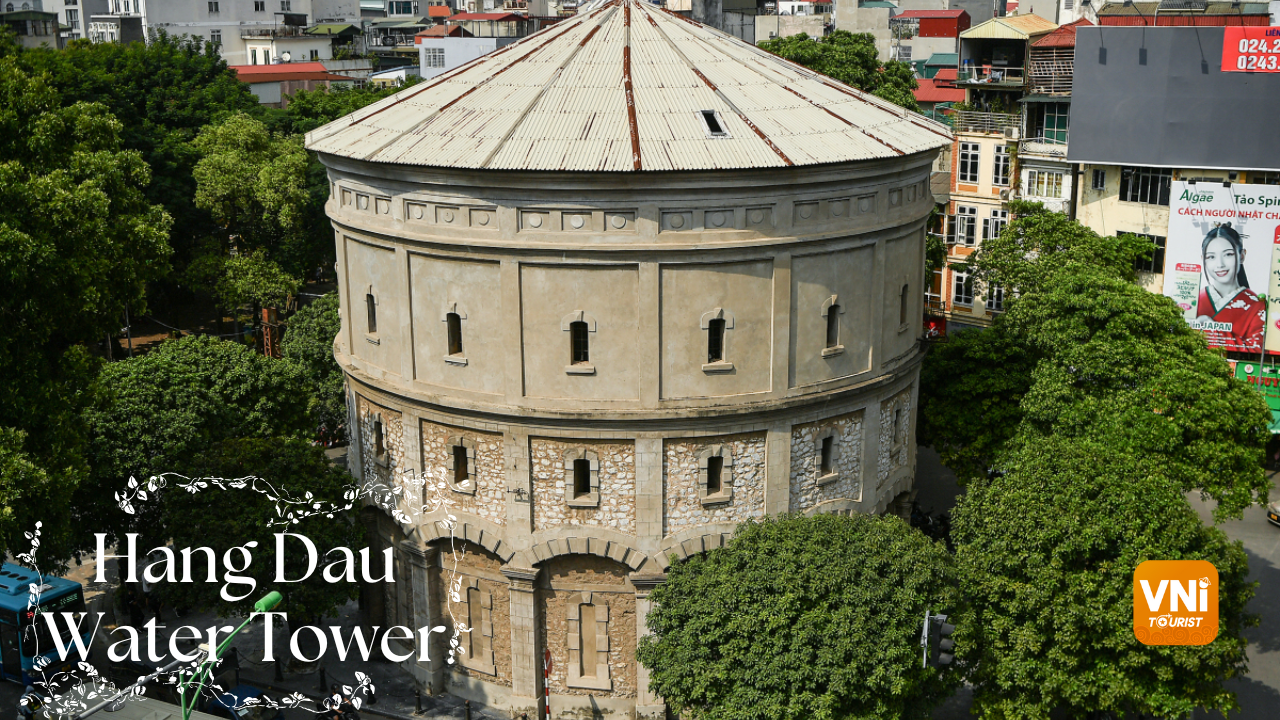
429	674
649	494
405	329
526	663
781	366
649	706
511	329
777	478
649	341
519	489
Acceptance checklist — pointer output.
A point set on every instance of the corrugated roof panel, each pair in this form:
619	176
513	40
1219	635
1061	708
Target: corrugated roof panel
555	100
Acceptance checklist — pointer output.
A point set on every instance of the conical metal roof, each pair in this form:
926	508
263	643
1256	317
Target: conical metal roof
628	87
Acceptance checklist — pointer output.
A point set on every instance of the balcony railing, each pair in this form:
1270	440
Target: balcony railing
988	75
1006	124
1051	147
274	31
935	303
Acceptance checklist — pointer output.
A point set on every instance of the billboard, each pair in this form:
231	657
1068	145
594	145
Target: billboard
1219	265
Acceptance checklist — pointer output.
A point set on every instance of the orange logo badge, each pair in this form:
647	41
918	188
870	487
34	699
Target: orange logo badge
1175	602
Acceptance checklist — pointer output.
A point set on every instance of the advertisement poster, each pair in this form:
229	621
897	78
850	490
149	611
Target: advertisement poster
1219	260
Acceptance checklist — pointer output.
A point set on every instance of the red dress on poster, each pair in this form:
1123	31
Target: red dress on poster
1245	313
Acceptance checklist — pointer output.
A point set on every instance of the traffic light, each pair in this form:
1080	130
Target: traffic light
936	640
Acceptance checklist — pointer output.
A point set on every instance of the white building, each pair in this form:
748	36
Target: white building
271	28
75	14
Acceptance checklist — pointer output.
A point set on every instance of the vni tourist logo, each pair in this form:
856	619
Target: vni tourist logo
1175	602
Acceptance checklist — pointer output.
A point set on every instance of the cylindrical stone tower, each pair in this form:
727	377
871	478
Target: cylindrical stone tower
622	285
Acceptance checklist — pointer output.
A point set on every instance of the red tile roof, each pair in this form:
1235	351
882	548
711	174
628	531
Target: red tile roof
444	31
487	16
949	74
279	68
439	11
1063	37
255	78
929	92
929	14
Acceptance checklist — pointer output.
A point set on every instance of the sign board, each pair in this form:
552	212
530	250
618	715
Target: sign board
1251	49
1219	261
1266	380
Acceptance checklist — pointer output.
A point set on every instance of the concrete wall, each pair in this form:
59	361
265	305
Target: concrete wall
848	16
457	51
740	25
646	261
776	26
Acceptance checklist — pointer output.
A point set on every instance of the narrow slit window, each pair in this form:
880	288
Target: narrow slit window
587	640
454	321
459	463
581	478
372	306
902	305
379	443
828	450
715	474
715	341
833	326
712	121
581	344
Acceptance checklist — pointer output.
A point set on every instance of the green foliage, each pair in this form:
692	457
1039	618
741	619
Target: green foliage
801	617
252	278
308	342
853	60
78	243
161	411
255	185
224	519
162	92
1047	552
1084	352
309	109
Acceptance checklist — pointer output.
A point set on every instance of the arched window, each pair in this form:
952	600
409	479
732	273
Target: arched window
827	455
715	474
833	326
715	341
8	8
371	305
582	478
461	469
454	321
580	343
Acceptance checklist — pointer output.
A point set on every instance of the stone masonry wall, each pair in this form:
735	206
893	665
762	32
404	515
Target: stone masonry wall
680	471
473	561
392	438
893	451
617	476
806	462
573	571
488	500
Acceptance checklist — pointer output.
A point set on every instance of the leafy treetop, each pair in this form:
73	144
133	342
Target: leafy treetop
853	60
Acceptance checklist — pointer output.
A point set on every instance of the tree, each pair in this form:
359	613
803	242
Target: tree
160	412
1047	551
253	279
1084	352
78	244
225	519
309	109
308	341
162	91
801	617
853	60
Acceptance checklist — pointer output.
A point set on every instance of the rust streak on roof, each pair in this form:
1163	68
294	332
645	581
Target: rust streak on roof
626	85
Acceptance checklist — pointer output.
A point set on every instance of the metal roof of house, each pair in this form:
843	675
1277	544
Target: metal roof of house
334	29
943	60
1147	9
1011	27
625	87
929	91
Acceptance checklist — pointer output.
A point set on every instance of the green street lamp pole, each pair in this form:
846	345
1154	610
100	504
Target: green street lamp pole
200	676
204	672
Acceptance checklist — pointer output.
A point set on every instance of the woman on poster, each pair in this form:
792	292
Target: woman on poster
1230	314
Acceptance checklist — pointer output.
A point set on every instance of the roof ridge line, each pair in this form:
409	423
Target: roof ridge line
684	58
551	81
629	92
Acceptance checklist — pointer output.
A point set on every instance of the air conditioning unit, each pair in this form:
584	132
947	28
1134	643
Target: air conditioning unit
1004	194
1011	132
